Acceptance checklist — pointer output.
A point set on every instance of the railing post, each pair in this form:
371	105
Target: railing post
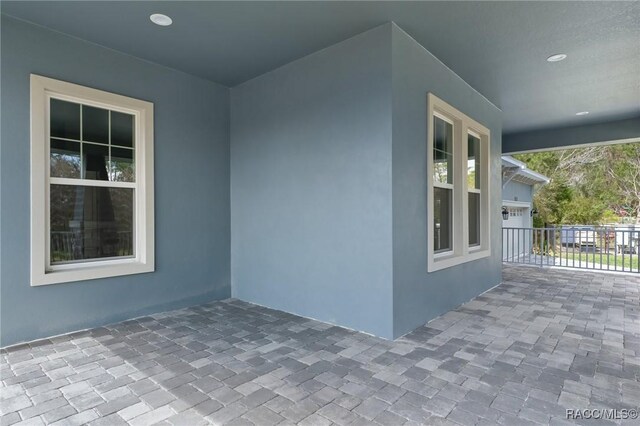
624	246
541	245
600	248
615	250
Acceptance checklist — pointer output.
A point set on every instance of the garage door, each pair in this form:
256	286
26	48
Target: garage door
516	240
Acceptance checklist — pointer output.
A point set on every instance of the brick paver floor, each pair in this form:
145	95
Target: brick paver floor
542	342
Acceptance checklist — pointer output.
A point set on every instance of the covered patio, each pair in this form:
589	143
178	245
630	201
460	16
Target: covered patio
542	342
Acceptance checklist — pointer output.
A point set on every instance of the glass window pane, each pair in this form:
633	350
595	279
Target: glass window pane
65	159
94	161
122	165
474	218
442	216
95	124
64	121
442	151
473	162
90	222
121	129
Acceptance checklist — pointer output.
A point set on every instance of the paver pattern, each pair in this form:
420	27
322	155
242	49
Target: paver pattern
524	352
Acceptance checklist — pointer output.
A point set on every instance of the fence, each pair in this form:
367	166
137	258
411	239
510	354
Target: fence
77	245
584	247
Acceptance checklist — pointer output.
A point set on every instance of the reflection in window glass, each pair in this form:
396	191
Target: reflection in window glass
122	165
94	161
65	159
474	218
95	124
122	129
102	146
473	163
64	119
90	222
442	219
473	184
442	151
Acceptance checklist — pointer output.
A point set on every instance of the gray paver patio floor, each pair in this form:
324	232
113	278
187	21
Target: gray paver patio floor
542	342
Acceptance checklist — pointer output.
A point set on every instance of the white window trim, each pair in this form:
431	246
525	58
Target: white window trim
42	273
463	125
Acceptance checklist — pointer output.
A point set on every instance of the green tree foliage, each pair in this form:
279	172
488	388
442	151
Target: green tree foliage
583	210
592	185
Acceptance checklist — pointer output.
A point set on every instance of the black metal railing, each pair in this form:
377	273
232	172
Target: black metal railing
584	247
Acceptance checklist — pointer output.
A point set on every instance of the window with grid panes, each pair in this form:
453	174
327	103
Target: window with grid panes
458	187
95	187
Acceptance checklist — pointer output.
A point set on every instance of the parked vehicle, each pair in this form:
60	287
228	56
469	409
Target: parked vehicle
578	236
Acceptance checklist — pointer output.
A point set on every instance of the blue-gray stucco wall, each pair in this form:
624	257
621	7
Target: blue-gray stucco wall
303	189
191	187
311	185
516	191
419	296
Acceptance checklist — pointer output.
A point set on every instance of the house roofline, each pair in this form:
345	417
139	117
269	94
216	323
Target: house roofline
520	169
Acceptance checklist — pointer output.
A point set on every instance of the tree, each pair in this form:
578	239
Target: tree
622	167
586	183
583	210
552	200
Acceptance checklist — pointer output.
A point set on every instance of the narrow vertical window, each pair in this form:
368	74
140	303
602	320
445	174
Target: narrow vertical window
443	184
474	171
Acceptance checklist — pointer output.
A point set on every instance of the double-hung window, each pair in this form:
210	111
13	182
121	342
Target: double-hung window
91	183
458	187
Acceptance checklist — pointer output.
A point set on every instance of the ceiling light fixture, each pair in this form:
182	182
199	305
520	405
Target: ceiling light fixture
557	57
160	19
582	113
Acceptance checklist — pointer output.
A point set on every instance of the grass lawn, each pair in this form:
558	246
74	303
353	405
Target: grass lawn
629	263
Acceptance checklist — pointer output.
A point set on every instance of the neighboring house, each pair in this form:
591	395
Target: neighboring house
518	186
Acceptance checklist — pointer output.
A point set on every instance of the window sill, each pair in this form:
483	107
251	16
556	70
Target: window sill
90	271
442	262
443	255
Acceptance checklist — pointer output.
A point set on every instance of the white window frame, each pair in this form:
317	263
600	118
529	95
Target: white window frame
463	125
42	272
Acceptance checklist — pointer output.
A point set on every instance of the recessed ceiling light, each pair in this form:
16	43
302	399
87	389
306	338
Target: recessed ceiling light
557	57
582	113
160	19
